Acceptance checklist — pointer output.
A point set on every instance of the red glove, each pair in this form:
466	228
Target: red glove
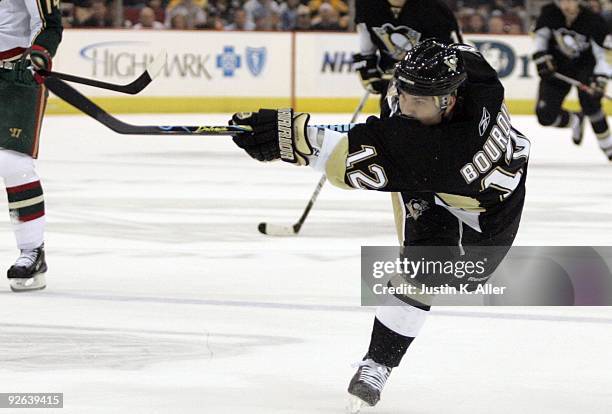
41	59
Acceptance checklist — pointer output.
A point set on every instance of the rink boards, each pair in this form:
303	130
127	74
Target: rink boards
208	71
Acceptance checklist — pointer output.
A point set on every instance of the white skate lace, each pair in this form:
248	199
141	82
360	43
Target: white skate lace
373	373
27	258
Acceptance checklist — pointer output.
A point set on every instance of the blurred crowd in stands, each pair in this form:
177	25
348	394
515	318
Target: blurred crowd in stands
474	16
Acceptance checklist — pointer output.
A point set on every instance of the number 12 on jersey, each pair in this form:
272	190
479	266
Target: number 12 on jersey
359	179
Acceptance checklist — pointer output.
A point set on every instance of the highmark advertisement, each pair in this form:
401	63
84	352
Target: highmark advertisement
214	71
204	71
198	64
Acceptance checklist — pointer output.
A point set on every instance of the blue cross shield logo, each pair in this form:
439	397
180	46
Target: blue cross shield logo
256	59
228	61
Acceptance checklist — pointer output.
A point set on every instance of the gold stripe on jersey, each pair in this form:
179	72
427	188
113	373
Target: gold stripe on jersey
411	295
40	112
335	167
39	5
462	202
399	216
43	26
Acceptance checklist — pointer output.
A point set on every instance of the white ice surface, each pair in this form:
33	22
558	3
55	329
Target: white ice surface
163	298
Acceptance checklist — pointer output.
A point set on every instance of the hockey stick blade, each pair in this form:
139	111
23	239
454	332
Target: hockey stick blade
270	229
132	88
276	230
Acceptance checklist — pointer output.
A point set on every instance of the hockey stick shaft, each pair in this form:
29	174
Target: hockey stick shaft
313	198
131	88
578	84
359	108
317	190
85	105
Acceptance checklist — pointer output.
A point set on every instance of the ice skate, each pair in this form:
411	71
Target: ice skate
605	143
366	385
28	272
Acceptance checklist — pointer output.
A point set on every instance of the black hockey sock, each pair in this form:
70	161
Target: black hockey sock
387	347
599	124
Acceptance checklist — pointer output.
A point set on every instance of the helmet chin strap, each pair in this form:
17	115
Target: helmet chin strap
442	102
396	6
396	3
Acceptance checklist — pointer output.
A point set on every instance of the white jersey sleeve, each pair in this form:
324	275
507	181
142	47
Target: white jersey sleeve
27	22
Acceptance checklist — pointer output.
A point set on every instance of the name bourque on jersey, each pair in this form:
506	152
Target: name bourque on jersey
571	44
416	21
475	164
502	140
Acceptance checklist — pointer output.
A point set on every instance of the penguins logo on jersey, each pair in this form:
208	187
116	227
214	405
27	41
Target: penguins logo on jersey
415	208
570	43
397	40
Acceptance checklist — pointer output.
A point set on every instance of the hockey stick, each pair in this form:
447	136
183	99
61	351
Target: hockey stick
132	88
578	84
85	105
271	229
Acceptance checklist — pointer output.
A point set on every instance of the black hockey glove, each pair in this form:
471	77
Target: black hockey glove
545	64
277	134
369	72
25	69
598	84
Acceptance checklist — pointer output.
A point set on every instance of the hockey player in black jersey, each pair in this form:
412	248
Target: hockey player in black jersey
387	29
449	150
571	40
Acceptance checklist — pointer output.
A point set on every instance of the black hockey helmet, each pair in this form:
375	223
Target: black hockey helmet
431	68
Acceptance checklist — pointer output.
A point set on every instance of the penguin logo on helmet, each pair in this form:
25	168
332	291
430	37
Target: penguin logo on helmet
432	68
451	62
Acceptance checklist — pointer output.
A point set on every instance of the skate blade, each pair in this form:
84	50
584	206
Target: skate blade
36	282
578	133
577	139
355	404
